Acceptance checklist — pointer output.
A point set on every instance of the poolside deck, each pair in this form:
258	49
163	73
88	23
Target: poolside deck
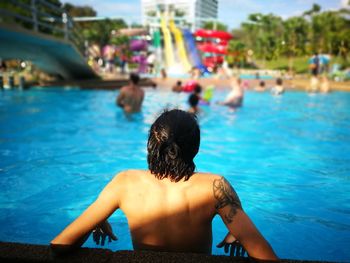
116	83
300	84
16	252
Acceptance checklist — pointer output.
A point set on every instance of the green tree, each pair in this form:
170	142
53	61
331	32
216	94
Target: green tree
79	11
314	9
100	32
296	31
236	53
264	33
215	26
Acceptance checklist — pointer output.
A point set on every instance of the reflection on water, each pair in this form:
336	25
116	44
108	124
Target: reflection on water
287	157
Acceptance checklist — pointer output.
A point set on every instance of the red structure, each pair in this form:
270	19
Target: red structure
213	45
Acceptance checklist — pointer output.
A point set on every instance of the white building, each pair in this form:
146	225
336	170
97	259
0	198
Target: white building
195	12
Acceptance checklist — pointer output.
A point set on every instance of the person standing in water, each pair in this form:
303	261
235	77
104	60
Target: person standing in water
193	100
235	98
278	89
131	96
169	207
261	87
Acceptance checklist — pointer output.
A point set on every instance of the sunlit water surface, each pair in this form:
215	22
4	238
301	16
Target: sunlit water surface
287	157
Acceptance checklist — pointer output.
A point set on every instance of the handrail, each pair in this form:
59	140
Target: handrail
52	6
41	14
12	14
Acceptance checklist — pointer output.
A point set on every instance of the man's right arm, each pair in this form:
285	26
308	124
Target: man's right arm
228	206
76	233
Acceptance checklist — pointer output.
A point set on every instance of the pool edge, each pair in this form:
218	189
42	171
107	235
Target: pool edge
19	252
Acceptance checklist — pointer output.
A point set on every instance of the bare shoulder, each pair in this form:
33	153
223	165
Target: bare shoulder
122	181
214	179
124	89
204	181
127	175
220	188
206	178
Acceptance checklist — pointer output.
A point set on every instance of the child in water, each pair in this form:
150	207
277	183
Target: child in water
278	89
194	99
177	87
261	86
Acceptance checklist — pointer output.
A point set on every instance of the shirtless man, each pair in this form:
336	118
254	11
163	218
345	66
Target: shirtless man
169	207
235	98
131	97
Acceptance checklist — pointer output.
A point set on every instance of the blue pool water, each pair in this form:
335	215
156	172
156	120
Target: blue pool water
287	157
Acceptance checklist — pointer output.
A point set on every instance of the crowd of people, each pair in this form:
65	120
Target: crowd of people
111	59
130	97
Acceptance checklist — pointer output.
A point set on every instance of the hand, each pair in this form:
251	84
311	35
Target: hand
102	231
230	242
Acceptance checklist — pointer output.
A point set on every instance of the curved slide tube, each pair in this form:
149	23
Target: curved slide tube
168	47
180	45
192	50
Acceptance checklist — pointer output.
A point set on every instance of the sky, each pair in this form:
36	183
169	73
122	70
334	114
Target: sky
231	12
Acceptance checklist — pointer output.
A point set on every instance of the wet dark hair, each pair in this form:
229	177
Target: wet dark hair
173	142
134	78
193	100
179	83
279	81
262	83
198	89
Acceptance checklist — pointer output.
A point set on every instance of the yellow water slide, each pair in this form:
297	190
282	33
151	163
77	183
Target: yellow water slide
180	46
168	45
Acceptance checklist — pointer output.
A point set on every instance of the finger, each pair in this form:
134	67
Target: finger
226	247
97	239
239	251
94	236
114	237
221	244
233	250
243	251
103	239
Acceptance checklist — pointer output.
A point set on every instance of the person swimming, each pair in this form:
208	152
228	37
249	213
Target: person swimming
177	87
169	207
261	87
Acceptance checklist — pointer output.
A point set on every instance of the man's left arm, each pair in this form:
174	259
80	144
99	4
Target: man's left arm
229	207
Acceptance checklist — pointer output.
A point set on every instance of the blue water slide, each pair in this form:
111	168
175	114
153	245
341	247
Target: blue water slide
192	50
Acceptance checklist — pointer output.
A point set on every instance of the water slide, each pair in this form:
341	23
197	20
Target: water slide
181	49
168	45
192	50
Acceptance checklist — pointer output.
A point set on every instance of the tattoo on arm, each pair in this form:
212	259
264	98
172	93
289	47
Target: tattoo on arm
225	195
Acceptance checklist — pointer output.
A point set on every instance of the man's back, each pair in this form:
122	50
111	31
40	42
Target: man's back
169	216
131	98
169	207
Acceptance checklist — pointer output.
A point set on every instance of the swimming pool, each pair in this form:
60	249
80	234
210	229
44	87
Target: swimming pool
287	157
